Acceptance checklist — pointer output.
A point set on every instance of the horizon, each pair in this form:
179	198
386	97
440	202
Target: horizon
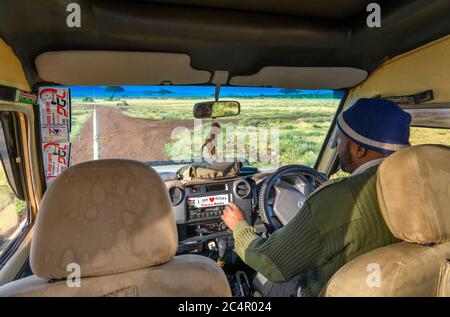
194	91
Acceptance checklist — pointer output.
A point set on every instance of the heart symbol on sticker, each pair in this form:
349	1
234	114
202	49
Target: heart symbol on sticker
211	199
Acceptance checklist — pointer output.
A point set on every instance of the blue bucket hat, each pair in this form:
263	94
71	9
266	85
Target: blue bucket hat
376	124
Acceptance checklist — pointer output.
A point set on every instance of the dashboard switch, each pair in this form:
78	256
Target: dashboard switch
222	226
212	246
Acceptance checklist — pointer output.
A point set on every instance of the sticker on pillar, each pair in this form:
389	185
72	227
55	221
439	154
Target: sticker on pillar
55	121
54	106
56	157
26	97
55	133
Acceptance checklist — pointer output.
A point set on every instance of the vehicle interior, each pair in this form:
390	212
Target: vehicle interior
143	74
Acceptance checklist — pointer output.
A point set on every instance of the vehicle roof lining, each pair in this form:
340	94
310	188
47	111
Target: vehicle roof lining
317	8
226	35
96	68
303	77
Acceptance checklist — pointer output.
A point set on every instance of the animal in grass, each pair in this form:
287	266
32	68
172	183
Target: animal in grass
211	141
123	103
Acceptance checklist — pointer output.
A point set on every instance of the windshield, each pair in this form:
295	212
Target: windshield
155	124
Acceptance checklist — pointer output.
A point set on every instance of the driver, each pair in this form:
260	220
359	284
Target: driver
339	221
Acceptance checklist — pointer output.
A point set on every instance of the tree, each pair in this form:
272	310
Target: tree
114	90
87	99
316	93
288	91
164	92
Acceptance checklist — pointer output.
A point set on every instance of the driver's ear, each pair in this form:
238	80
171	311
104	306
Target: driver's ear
356	150
360	151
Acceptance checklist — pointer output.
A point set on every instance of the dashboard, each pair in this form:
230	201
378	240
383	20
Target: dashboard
198	208
268	200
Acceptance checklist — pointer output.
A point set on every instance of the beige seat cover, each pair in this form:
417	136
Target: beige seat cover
185	275
401	269
413	187
114	219
443	289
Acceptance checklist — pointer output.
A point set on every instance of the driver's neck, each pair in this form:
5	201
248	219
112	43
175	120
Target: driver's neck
363	167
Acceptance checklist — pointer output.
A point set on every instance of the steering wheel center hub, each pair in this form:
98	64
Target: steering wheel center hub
284	192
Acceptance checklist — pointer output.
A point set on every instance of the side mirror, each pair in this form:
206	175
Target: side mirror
216	109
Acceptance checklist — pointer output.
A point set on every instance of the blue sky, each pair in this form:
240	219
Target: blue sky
182	91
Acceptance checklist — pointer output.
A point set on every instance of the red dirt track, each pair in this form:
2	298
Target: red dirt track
126	137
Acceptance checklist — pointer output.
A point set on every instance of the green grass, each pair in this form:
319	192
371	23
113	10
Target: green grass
429	136
181	109
301	124
80	115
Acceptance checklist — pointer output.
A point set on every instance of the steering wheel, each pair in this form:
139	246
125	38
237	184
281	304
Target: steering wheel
284	192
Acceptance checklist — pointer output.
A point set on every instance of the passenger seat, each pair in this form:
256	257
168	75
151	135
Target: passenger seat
112	221
413	188
443	289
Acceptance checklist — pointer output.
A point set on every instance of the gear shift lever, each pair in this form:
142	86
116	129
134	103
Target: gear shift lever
222	245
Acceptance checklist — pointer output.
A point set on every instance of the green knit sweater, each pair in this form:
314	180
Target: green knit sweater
336	224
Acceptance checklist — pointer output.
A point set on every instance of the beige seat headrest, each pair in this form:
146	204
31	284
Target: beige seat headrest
108	216
413	187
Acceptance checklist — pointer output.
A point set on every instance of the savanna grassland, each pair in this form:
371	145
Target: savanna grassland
300	123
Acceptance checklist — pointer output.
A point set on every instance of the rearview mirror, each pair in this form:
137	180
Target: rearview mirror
216	109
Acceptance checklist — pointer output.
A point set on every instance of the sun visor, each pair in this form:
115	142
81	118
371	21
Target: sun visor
88	68
303	77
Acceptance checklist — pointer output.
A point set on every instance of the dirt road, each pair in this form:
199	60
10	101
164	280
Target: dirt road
125	137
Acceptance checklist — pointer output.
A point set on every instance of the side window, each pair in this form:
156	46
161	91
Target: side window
430	126
429	136
13	210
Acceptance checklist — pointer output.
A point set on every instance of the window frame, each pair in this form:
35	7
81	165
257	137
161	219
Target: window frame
331	129
335	167
17	174
11	246
428	107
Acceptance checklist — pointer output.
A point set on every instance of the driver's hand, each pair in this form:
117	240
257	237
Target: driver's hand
232	215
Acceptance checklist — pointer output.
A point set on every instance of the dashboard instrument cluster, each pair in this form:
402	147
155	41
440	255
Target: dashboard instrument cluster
198	207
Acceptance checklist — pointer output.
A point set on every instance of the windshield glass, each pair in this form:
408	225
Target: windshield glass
155	124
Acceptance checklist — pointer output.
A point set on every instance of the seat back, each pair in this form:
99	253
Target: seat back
110	222
401	269
444	280
184	276
413	188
